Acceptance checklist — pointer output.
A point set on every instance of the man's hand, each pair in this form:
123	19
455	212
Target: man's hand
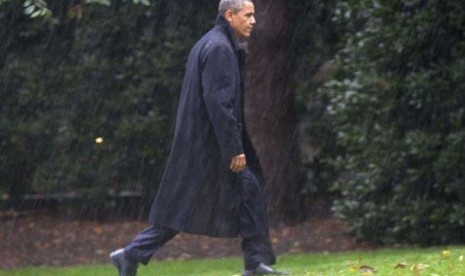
238	163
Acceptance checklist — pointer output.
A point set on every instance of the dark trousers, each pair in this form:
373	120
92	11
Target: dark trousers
253	228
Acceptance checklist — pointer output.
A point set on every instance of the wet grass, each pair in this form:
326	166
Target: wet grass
431	262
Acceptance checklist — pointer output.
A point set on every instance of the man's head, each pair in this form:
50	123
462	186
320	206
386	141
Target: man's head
240	15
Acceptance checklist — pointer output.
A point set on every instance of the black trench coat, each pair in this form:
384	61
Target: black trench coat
198	193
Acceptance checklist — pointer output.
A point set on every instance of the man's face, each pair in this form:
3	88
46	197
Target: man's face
243	21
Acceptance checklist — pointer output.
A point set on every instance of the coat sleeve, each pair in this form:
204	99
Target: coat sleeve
220	97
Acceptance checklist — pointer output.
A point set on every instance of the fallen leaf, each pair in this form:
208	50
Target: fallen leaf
97	230
401	265
366	270
353	268
419	267
446	253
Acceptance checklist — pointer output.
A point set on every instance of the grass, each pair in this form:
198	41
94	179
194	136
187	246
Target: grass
431	262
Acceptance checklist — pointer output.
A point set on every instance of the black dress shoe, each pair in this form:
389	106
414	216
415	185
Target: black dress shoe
263	269
125	267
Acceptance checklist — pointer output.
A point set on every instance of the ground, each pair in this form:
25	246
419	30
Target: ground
34	239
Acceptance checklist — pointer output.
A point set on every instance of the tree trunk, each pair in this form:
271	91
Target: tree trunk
269	110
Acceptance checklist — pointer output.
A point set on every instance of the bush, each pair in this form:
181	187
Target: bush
396	110
87	105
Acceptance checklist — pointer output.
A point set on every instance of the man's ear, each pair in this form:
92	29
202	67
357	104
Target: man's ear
228	15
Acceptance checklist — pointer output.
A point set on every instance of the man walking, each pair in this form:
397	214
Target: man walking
212	184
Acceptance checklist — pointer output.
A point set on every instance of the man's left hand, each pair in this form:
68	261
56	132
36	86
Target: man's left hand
238	163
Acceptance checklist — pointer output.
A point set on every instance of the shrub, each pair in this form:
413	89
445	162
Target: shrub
396	110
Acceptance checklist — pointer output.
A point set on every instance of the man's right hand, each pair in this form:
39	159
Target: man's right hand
238	163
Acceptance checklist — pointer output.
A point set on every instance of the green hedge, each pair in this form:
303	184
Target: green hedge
396	110
114	75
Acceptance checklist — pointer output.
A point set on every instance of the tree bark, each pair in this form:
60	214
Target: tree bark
269	110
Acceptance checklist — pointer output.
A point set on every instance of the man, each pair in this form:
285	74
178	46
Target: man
213	183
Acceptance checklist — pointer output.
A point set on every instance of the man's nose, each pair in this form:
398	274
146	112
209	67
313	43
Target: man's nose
252	20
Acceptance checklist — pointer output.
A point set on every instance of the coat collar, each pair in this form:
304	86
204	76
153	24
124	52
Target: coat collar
221	21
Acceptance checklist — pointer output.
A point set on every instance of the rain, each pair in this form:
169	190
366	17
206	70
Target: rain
354	109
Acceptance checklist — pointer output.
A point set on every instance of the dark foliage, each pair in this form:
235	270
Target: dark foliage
396	110
88	103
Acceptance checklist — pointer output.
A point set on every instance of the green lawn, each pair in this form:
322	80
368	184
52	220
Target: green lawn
431	262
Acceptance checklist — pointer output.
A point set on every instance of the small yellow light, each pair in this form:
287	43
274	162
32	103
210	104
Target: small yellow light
99	140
